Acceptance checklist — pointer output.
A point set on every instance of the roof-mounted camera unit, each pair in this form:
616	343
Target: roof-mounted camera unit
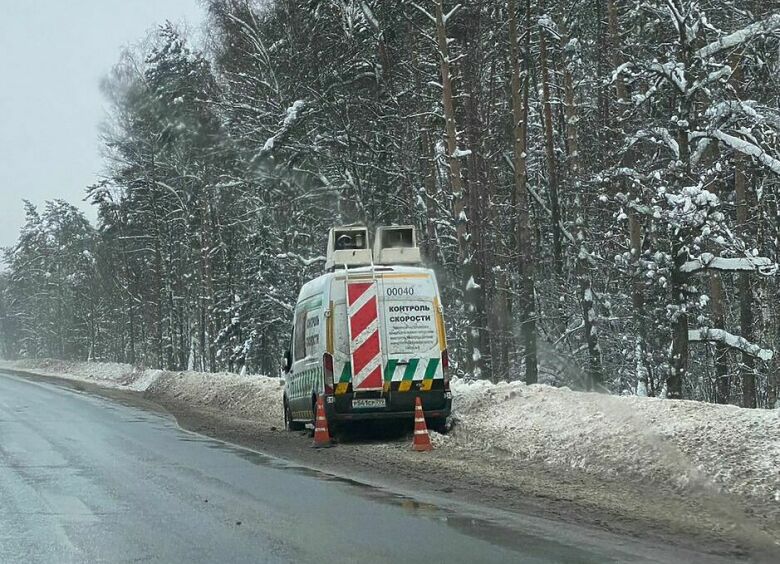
396	244
348	246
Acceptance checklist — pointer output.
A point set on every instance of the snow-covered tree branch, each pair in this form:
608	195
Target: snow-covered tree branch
709	261
739	37
733	341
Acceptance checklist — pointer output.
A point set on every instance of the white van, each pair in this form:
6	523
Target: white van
369	338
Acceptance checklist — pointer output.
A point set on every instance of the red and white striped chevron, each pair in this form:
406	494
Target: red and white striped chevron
363	316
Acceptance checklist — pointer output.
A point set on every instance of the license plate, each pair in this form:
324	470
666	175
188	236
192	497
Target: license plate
368	403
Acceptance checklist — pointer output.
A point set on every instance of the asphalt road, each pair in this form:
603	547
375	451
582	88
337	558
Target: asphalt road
87	479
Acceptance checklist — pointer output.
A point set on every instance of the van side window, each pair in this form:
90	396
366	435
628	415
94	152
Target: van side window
300	335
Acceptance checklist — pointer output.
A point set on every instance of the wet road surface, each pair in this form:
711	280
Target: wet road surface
86	479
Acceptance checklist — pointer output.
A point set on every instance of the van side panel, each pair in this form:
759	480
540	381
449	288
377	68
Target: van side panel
306	376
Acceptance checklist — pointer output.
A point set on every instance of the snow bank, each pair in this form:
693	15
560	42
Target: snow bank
106	374
689	444
251	397
686	443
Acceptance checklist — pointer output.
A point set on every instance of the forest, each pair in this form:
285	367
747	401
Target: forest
595	182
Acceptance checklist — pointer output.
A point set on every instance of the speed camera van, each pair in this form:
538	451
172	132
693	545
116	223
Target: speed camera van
368	335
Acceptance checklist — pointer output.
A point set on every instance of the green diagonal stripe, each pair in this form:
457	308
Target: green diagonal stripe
410	368
430	370
346	372
390	369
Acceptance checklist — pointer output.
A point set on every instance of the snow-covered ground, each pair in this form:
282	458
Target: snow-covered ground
691	445
249	396
686	443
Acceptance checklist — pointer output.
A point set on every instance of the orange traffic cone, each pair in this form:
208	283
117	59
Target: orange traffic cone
422	441
321	434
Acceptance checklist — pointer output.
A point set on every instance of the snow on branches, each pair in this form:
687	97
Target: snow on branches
289	120
739	37
730	340
705	261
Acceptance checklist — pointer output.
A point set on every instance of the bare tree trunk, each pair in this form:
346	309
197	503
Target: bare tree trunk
127	300
208	283
525	255
614	48
595	372
679	279
451	132
746	318
638	303
471	294
603	97
774	384
501	341
549	148
722	381
429	168
679	356
170	347
158	269
480	288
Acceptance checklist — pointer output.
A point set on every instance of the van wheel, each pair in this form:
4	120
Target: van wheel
289	424
439	424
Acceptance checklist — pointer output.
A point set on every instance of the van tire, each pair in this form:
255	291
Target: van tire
289	423
438	424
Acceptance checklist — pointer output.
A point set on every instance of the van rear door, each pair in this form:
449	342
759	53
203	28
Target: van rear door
412	341
365	342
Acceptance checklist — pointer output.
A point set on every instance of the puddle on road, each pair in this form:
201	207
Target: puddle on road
478	527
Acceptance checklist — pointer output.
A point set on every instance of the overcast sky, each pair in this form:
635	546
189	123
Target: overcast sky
53	54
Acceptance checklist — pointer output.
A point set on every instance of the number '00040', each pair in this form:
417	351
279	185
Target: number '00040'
400	291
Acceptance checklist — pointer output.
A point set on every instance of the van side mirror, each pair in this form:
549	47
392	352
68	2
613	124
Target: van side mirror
287	362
